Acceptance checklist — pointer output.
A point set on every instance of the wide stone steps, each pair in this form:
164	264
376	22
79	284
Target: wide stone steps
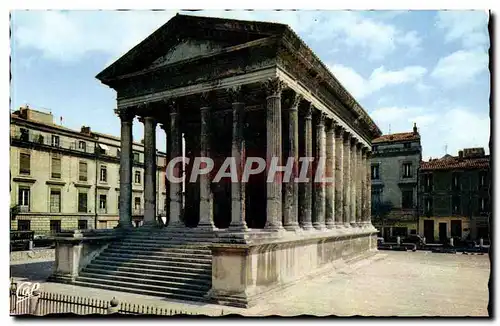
161	257
181	274
204	269
173	265
158	253
125	287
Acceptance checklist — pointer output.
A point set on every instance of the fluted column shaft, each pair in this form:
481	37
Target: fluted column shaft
206	196
363	187
347	180
319	184
238	153
368	190
306	207
149	170
291	201
125	218
339	177
353	174
359	188
175	152
330	173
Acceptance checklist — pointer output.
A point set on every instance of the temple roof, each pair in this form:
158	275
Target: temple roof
230	32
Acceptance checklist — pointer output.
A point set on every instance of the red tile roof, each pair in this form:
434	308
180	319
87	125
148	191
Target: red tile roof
453	162
402	136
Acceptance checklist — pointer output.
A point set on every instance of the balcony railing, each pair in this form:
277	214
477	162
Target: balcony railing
37	138
24	209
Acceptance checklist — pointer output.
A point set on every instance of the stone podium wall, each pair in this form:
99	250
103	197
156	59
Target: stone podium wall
245	273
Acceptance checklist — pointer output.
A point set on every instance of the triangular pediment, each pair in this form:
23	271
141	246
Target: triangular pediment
188	49
184	37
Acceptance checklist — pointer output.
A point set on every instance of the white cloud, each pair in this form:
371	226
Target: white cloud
453	127
460	67
69	36
380	78
376	37
468	27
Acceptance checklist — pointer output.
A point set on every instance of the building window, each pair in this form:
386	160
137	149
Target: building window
56	168
136	157
82	145
82	202
482	179
104	174
375	172
24	163
483	205
137	203
455	205
25	134
23	199
23	225
427	182
55	141
83	224
407	145
118	203
428	206
55	226
102	203
55	201
407	170
137	177
455	181
407	200
118	152
375	148
82	171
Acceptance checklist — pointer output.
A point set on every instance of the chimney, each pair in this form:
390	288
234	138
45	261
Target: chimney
415	130
460	155
85	130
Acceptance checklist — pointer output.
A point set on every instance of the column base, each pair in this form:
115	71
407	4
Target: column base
307	226
292	226
353	224
319	226
238	227
330	225
125	226
206	226
338	225
347	225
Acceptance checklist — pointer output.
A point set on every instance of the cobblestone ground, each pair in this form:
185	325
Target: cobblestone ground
390	284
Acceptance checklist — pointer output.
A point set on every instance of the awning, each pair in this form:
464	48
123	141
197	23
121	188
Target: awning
104	147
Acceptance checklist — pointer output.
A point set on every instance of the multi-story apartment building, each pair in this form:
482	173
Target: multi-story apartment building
455	196
66	179
394	167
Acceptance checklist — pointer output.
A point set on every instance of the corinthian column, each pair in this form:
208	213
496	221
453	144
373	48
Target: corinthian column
290	213
176	172
368	190
306	200
274	86
353	173
319	184
330	173
206	196
126	117
363	187
347	180
238	153
149	170
359	186
339	177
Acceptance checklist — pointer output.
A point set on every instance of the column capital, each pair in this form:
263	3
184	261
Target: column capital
292	101
354	141
236	94
330	125
308	109
126	114
206	99
145	118
172	105
321	119
359	145
274	86
347	136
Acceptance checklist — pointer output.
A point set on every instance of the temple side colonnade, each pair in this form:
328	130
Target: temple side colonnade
293	128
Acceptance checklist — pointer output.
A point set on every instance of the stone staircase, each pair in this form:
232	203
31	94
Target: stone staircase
176	265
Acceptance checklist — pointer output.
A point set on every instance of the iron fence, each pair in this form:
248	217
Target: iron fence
45	303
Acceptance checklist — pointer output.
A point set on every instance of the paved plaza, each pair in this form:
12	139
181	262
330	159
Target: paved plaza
388	284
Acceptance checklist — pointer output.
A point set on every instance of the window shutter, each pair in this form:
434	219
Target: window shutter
24	163
56	168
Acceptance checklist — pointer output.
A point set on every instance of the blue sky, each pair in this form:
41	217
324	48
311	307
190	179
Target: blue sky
427	67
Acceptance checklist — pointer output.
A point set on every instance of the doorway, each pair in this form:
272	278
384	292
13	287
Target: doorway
429	230
442	233
456	228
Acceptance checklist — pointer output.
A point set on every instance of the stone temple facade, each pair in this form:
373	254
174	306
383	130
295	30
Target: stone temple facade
228	88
